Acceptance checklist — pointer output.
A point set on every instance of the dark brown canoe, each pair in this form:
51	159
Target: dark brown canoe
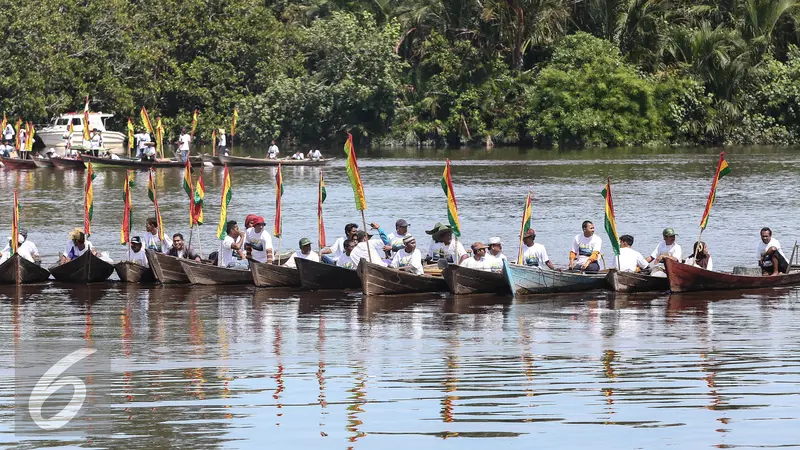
211	275
255	162
315	276
68	163
686	278
272	275
380	280
17	163
42	163
211	159
167	269
130	272
86	268
463	280
139	164
635	282
18	270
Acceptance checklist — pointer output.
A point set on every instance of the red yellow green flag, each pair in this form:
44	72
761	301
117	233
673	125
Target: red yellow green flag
70	130
127	214
194	122
19	127
187	186
15	224
4	122
86	136
354	174
227	193
452	205
146	121
160	137
214	141
151	193
233	122
88	206
722	170
130	134
31	134
526	224
277	231
610	221
322	194
197	202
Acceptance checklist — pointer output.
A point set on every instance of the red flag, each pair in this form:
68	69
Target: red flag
278	194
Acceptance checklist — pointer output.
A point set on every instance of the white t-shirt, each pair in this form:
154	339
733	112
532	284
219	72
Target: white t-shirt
95	141
762	247
535	255
141	140
710	266
29	248
9	132
662	248
361	252
184	140
72	252
337	249
225	254
139	257
223	141
311	256
315	154
629	259
584	247
259	242
272	152
471	263
494	263
23	250
23	136
403	259
346	262
452	252
396	239
298	155
153	242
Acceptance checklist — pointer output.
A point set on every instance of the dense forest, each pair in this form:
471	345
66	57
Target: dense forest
430	72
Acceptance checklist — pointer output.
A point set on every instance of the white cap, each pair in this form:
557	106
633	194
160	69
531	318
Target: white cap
495	240
20	239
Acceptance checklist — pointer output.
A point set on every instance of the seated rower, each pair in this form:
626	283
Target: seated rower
136	254
476	261
152	238
534	254
444	246
29	248
337	249
700	256
305	253
179	249
298	155
314	155
77	246
585	250
365	250
494	257
5	254
345	260
770	255
666	248
629	259
258	242
409	257
230	249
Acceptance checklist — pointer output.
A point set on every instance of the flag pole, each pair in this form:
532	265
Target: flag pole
521	228
369	253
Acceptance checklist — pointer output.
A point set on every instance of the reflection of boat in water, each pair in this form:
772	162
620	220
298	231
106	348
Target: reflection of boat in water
374	304
633	300
700	300
686	278
53	135
477	303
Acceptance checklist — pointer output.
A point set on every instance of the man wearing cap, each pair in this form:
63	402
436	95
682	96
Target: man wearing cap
629	259
494	257
136	254
534	254
179	249
365	250
666	248
444	246
585	250
151	239
77	246
259	242
401	231
345	260
476	261
28	247
408	258
230	249
330	254
305	253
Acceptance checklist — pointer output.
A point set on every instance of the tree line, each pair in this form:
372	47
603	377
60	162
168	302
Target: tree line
417	72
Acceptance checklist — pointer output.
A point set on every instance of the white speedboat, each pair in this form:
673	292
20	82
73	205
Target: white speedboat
53	134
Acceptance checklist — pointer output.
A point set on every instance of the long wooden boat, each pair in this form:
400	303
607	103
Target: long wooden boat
211	159
686	278
273	275
635	282
211	275
463	280
538	280
17	163
167	269
43	163
380	280
18	270
139	164
68	163
130	272
86	268
315	276
255	162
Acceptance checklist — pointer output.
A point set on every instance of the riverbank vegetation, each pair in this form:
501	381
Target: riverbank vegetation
438	72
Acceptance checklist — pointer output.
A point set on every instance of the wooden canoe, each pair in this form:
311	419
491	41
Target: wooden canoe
686	278
463	280
211	275
272	275
211	159
17	163
167	269
256	162
18	270
42	163
380	280
86	268
139	164
130	272
538	280
68	163
635	282
316	276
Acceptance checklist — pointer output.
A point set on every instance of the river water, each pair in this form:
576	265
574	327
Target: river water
239	367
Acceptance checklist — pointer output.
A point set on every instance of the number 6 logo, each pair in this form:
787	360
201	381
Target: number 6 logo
49	384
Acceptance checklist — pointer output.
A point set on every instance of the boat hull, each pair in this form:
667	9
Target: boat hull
137	164
317	276
84	269
464	281
635	282
536	280
686	278
167	269
272	275
17	163
68	164
211	159
18	270
211	275
130	272
256	162
42	163
380	280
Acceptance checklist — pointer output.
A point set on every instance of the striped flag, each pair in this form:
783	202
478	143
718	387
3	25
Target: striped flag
159	137
233	122
452	205
130	134
19	127
610	221
31	134
278	194
127	214
86	136
15	224
198	199
151	192
146	121
70	130
194	123
322	194
214	141
722	170
224	201
354	174
187	186
4	122
526	224
88	206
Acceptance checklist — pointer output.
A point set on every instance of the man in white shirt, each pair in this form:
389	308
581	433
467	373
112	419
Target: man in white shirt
476	261
222	142
180	250
365	250
183	144
585	250
494	258
345	260
314	155
96	141
409	257
272	151
666	248
401	232
29	247
629	259
305	253
152	238
137	254
8	133
142	138
23	139
298	155
22	250
444	246
770	255
534	254
331	254
77	246
259	242
230	246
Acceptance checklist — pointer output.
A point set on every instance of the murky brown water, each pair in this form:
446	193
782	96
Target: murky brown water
239	367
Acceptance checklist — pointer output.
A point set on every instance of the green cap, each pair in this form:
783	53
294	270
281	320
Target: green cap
305	241
668	232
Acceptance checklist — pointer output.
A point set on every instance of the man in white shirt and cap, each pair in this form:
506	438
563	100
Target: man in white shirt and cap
409	257
770	255
494	257
304	253
667	248
396	238
137	254
476	261
365	250
533	253
272	151
629	259
222	142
